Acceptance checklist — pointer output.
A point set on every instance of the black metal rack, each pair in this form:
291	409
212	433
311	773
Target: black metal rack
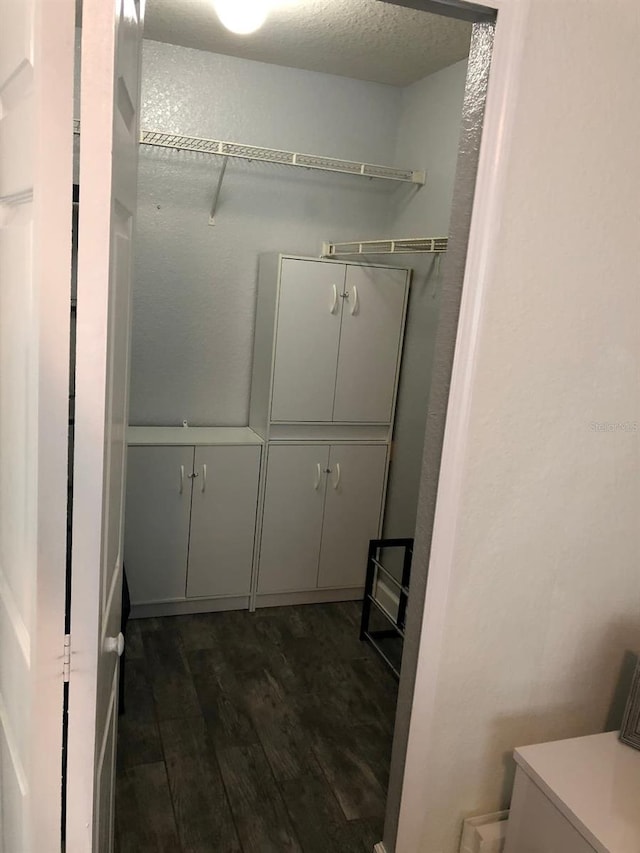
384	639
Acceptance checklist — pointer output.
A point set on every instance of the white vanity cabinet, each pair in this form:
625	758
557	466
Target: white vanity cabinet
323	504
328	341
576	796
192	498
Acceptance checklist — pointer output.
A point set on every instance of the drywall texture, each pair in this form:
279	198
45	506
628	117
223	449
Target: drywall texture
543	593
365	39
428	131
194	285
472	113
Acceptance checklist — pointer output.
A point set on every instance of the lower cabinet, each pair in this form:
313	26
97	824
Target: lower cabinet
191	514
223	521
190	521
322	506
158	507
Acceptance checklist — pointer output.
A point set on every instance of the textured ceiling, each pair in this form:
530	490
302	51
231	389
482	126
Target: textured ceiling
365	39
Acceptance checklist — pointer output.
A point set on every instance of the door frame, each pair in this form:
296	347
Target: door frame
436	531
110	57
418	716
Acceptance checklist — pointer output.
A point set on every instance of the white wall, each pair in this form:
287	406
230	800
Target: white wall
542	597
428	133
194	286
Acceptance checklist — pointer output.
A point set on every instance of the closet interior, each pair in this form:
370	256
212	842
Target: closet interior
280	365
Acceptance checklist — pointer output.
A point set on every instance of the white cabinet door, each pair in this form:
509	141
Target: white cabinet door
536	824
352	513
308	332
292	520
157	522
372	322
109	113
223	521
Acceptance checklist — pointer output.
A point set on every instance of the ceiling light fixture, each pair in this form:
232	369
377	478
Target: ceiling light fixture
242	16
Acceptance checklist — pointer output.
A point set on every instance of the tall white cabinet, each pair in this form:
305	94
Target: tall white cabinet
327	357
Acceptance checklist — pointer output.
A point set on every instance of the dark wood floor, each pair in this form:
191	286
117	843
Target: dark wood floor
253	733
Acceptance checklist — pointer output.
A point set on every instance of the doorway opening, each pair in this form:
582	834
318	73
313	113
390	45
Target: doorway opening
282	354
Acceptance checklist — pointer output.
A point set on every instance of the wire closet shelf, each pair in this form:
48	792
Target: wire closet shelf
242	151
408	246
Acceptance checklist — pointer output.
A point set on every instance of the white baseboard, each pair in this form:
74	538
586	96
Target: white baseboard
188	606
485	834
311	596
212	605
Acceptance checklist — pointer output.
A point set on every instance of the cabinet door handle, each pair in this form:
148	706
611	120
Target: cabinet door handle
181	479
204	479
336	479
316	484
356	302
334	304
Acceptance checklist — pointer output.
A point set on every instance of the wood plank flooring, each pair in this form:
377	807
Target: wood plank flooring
253	733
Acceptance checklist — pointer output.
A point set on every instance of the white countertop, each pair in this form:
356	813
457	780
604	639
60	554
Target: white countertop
595	782
185	436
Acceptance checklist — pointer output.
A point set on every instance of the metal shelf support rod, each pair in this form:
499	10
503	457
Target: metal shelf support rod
216	196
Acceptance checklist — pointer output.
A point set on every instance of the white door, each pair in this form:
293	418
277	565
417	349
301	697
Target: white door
307	337
223	521
352	513
292	518
36	147
372	322
156	538
111	47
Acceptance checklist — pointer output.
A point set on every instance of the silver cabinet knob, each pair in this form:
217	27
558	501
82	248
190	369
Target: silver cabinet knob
115	644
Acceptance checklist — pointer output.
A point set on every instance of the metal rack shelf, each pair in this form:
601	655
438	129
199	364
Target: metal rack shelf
387	641
409	246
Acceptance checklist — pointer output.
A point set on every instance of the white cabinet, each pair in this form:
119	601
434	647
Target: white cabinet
328	342
307	340
370	340
322	506
292	519
223	521
352	510
191	515
158	506
576	796
537	826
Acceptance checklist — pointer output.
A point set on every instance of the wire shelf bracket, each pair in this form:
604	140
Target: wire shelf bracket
216	198
409	246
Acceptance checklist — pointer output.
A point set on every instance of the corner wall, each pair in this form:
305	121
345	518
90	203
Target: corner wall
428	133
541	600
